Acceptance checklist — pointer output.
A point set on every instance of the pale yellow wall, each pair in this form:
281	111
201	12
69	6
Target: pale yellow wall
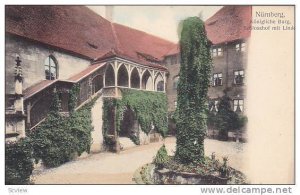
270	102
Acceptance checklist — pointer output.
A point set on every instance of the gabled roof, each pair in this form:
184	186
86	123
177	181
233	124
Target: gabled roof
229	24
72	28
79	30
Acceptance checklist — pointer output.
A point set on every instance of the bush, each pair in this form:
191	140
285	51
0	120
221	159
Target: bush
226	119
18	162
161	157
58	139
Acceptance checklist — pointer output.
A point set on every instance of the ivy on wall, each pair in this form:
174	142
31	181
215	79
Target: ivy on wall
150	108
59	139
192	92
73	97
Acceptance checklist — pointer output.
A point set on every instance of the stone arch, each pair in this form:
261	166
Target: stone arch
97	83
129	124
159	82
147	81
109	75
135	79
122	76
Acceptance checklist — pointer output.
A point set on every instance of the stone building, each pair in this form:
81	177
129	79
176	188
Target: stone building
228	35
53	48
57	47
227	30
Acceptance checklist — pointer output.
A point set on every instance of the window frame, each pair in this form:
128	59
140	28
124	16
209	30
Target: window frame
240	47
242	76
214	83
239	104
51	63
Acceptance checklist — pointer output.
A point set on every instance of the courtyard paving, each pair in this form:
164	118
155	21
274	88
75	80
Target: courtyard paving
110	168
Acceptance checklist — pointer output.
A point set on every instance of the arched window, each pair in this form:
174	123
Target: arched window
159	83
147	81
135	79
160	86
122	76
109	76
50	68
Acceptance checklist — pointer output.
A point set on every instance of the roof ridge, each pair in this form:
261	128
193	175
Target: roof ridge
144	32
117	42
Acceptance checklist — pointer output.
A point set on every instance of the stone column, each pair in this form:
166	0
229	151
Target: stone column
19	101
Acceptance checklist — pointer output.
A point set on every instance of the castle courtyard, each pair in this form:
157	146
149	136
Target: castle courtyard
111	168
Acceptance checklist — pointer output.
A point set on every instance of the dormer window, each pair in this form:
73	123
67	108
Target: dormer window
50	68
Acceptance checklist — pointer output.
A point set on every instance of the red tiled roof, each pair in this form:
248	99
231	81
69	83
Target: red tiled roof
132	42
174	50
92	68
72	28
229	24
30	91
79	30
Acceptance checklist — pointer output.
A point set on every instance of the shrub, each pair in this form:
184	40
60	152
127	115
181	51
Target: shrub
161	157
58	139
226	119
18	162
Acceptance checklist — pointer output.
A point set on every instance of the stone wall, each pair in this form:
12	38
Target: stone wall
33	56
97	136
230	61
173	68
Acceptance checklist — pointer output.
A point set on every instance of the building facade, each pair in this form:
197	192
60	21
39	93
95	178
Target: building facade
52	49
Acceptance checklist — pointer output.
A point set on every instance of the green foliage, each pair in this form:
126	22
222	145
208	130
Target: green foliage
161	157
58	138
18	162
224	169
192	92
73	97
149	108
54	108
226	119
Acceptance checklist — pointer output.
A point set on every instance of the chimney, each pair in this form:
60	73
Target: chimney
109	12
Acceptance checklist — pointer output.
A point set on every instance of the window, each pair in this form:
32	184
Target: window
240	47
175	104
239	77
50	68
160	86
238	105
217	51
175	83
213	105
220	52
217	79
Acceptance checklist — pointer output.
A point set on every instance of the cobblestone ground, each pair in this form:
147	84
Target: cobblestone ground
110	168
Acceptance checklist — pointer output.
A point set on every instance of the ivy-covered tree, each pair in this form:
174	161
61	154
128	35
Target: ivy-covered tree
192	92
